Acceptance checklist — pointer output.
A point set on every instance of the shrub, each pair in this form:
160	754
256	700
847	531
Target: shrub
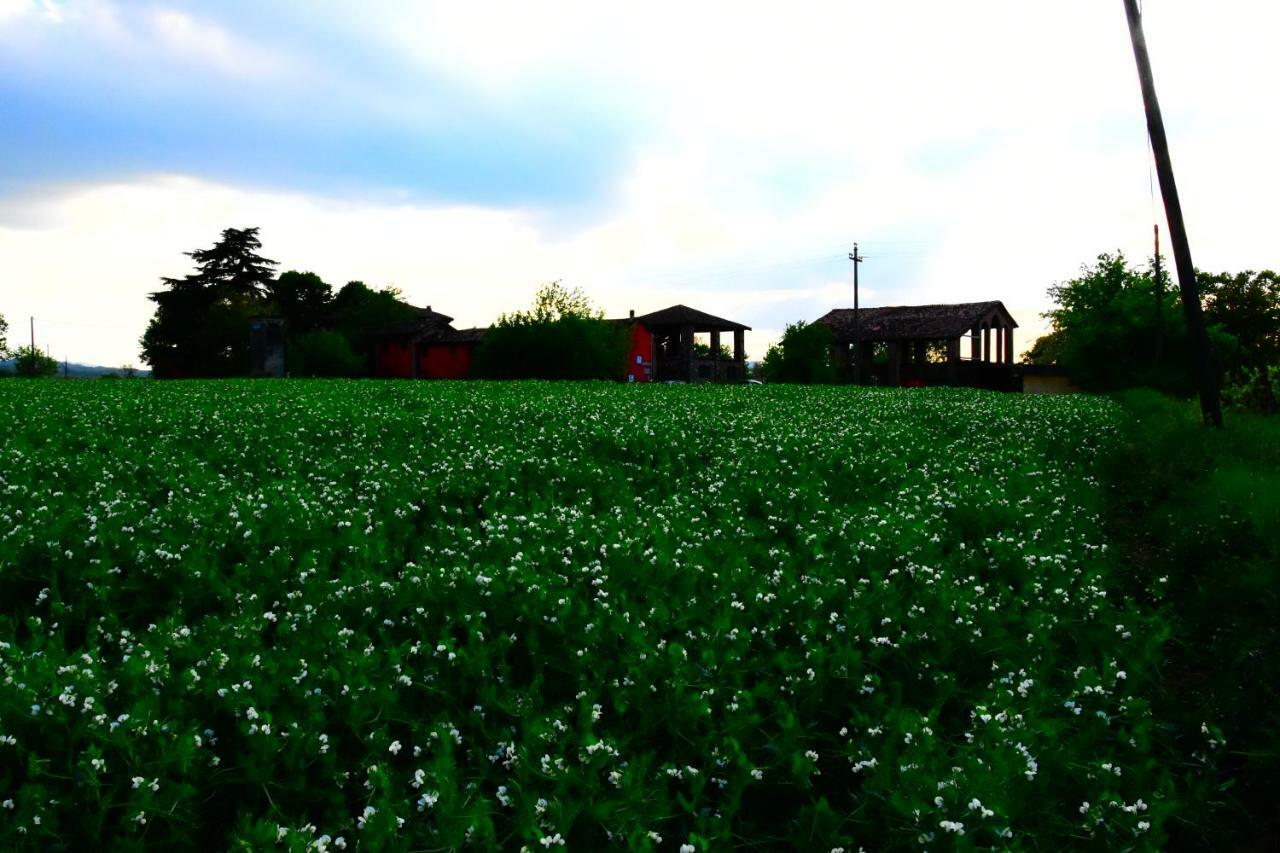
322	353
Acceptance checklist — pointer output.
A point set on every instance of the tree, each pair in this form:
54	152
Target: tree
30	362
200	327
1109	331
4	332
1245	306
561	337
803	355
301	298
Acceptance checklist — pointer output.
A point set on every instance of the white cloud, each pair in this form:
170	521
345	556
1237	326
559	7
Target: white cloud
1002	142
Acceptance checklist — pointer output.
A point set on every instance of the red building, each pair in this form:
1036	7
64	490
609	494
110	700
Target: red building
425	347
664	347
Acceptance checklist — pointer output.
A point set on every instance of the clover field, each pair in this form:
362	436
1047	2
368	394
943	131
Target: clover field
397	615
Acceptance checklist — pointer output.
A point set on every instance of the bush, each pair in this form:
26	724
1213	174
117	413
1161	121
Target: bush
1254	392
1199	512
28	361
803	355
561	337
322	353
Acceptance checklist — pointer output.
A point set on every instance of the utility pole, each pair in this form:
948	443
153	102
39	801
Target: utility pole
857	332
1159	288
1210	406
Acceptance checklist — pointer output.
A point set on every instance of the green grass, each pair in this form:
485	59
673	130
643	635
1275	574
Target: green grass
1200	509
415	614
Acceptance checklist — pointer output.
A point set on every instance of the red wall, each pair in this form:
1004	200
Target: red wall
445	361
394	359
642	349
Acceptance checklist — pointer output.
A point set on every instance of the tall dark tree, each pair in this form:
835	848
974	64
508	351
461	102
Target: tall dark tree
301	298
233	265
200	327
4	331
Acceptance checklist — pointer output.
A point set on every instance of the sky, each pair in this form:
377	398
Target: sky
724	156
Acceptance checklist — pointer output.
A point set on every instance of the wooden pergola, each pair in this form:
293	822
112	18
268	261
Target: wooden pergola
923	344
674	330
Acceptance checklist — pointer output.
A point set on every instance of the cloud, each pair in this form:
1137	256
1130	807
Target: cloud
722	156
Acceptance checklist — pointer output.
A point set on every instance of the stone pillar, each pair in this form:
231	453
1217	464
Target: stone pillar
715	355
953	350
986	344
1008	346
740	347
920	352
975	344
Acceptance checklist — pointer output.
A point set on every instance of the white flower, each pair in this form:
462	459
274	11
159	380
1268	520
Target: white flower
394	749
688	848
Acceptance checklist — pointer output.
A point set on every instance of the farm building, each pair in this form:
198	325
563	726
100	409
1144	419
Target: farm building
968	343
664	347
425	347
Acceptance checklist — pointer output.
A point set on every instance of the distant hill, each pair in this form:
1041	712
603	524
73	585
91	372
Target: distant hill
75	370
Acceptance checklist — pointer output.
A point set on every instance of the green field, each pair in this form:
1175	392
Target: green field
413	615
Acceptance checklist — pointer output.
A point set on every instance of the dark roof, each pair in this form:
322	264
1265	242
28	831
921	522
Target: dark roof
424	323
463	336
426	315
683	315
913	322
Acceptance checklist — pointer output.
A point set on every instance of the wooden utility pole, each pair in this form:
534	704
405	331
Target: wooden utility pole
1210	407
1158	272
857	332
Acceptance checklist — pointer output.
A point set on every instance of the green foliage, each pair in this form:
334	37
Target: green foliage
322	353
200	326
803	355
301	298
1245	306
554	301
1253	391
1198	512
560	337
33	363
4	342
413	614
701	350
1114	328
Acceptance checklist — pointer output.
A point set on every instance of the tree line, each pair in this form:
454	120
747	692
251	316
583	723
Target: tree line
199	328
